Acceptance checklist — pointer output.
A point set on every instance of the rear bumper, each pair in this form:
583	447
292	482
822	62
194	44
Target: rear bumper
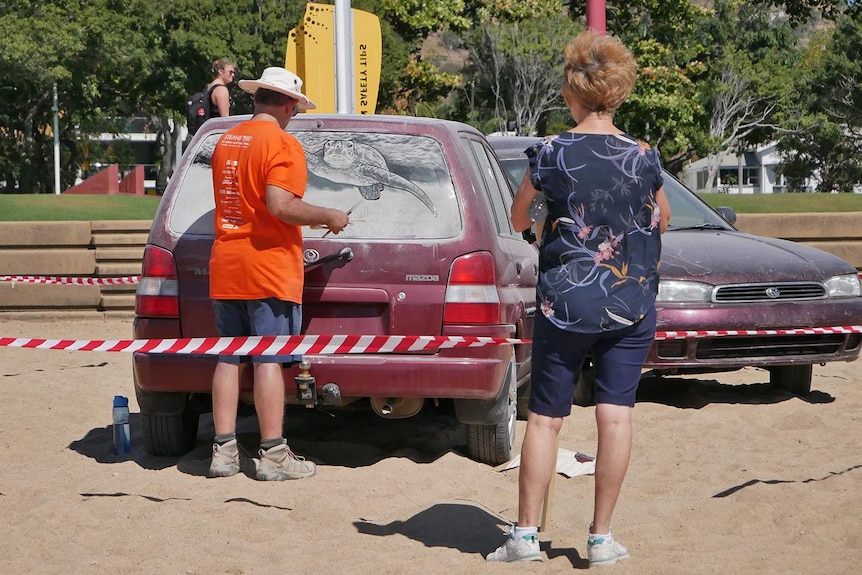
356	375
464	373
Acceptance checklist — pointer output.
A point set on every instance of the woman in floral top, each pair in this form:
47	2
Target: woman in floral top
599	261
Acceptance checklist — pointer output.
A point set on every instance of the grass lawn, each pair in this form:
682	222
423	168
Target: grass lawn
51	207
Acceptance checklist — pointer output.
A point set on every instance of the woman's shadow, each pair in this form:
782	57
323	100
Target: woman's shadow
462	526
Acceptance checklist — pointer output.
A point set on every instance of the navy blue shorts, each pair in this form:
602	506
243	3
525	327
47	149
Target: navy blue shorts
269	316
558	356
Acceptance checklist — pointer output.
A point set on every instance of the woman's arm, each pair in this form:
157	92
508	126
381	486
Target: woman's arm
521	202
221	99
664	210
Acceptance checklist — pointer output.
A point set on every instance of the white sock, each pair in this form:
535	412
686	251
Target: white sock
595	536
521	532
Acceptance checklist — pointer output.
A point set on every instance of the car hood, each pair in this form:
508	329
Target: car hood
729	257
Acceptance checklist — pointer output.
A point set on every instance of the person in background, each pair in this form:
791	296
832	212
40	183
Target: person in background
224	72
602	191
256	266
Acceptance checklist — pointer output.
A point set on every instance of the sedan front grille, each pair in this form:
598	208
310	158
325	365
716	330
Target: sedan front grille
769	346
740	293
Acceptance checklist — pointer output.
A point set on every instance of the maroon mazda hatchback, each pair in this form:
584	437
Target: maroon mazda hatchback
429	251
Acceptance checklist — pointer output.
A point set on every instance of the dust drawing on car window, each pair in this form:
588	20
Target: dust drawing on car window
355	163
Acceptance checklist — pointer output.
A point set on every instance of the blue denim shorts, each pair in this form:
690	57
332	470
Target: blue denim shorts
269	316
558	356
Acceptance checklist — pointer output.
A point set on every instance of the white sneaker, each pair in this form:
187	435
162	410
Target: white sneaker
604	550
526	549
225	461
279	463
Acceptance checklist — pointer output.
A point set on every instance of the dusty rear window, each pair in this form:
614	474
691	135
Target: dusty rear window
397	186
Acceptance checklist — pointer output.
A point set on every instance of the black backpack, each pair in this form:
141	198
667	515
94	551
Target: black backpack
198	109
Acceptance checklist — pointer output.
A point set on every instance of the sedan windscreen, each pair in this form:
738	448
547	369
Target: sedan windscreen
687	210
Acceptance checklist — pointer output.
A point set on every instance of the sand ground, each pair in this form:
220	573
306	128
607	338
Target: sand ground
728	476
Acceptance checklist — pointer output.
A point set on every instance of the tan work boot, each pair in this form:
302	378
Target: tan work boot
280	463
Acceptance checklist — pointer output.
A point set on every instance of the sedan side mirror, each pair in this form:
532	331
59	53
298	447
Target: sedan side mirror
727	213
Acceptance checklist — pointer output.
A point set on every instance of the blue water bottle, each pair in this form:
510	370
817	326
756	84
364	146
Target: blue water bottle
122	437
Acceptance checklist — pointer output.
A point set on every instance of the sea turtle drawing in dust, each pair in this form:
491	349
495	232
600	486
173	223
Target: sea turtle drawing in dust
347	162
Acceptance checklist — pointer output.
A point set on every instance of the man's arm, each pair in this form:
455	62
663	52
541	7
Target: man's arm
292	210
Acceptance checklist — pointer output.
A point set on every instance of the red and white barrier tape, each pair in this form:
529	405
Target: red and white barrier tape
346	344
71	281
699	334
266	345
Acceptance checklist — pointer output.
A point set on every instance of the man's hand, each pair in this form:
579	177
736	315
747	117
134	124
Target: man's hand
336	220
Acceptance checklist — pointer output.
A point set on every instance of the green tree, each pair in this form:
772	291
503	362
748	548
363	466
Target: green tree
186	36
824	140
670	41
517	68
751	64
413	21
96	61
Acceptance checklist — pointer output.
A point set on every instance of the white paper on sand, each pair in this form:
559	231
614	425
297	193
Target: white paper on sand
569	463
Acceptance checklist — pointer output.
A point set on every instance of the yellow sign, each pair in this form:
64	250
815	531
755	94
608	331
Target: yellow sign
311	54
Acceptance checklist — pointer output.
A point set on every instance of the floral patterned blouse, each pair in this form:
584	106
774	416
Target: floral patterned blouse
601	243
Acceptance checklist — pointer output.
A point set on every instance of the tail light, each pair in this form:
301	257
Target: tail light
471	295
157	294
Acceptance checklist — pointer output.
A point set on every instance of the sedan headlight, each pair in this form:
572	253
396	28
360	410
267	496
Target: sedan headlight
682	291
843	286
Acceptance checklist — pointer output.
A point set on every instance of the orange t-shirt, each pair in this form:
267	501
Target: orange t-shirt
255	255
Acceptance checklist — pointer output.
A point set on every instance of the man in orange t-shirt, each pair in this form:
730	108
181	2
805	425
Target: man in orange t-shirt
256	268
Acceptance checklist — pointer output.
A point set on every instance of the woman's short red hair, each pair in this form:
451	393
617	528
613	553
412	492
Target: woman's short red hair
600	71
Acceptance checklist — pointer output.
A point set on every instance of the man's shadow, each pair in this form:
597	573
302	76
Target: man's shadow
351	437
461	526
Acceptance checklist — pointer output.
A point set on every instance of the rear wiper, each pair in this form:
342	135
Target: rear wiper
700	227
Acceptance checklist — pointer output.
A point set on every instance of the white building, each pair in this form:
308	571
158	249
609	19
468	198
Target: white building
759	169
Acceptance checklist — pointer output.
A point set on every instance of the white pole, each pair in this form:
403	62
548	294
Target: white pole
56	109
343	57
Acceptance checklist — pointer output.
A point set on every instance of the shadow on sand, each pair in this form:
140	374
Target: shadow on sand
462	526
351	437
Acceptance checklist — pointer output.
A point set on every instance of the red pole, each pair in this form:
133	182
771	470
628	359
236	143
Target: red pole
596	16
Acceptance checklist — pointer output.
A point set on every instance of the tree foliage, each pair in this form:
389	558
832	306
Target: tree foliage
731	76
516	69
824	137
96	61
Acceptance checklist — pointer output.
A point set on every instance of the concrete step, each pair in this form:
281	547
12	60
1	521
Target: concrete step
121	225
119	289
48	262
117	301
120	239
108	269
53	234
114	254
47	296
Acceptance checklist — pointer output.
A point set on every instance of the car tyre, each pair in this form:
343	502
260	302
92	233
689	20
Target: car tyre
169	422
494	444
794	378
169	435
